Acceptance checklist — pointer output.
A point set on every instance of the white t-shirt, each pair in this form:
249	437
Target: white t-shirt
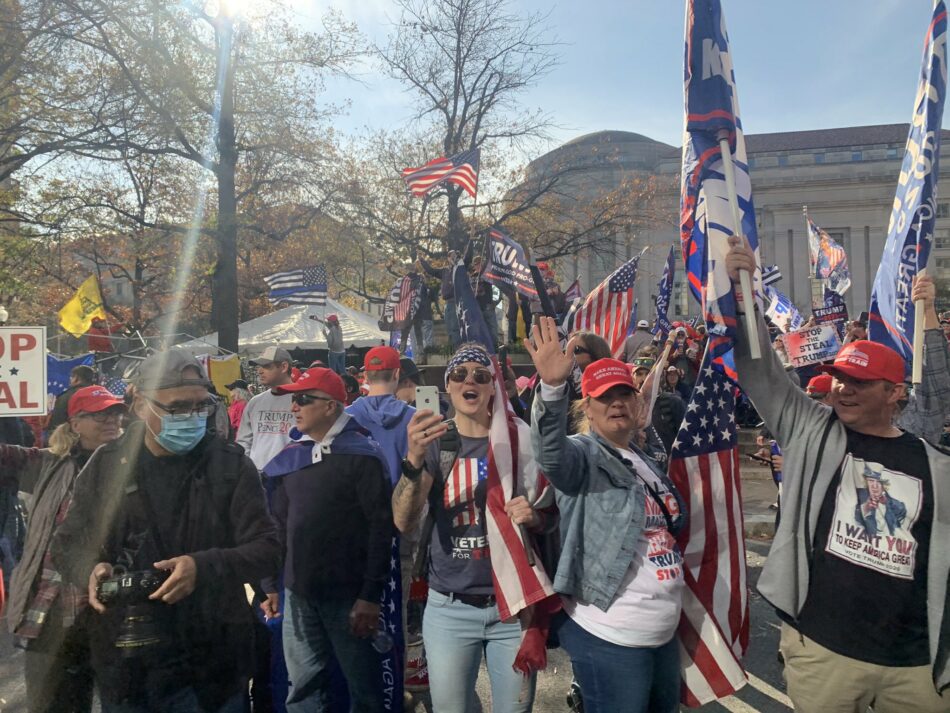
646	610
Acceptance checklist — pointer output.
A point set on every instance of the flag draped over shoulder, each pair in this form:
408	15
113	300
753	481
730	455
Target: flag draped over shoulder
508	267
664	292
606	310
706	220
911	228
704	466
86	305
301	286
512	471
829	262
461	169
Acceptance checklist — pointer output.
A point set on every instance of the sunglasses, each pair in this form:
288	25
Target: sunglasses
307	399
480	374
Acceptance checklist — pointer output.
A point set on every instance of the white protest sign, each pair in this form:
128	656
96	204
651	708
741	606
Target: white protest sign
812	345
22	371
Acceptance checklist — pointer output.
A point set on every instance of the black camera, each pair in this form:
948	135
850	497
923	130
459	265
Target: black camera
129	587
128	594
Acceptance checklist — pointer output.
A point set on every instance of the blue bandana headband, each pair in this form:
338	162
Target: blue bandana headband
467	354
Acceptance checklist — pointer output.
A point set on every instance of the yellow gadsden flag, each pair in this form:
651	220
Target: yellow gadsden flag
76	315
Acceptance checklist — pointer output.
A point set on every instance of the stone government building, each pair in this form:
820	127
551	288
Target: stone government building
846	176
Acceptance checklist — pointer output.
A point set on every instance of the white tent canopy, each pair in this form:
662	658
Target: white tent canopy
292	328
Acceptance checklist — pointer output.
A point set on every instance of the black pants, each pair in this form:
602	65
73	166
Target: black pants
58	673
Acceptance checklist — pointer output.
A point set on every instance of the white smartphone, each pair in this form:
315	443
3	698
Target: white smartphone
427	397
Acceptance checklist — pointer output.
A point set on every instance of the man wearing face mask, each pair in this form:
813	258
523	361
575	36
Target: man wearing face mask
169	499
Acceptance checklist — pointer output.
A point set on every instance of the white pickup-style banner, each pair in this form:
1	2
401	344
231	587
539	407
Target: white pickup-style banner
22	371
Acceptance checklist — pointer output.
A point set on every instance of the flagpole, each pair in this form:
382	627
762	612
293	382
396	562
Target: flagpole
745	279
917	366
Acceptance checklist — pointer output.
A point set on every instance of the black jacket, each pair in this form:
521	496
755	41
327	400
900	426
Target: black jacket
219	517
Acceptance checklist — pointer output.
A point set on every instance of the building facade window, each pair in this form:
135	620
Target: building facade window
819	158
856	156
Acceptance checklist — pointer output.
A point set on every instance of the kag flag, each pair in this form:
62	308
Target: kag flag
302	286
508	266
664	292
706	220
704	466
829	262
911	228
461	169
606	311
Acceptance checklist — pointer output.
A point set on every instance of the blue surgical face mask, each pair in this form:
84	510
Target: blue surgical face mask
180	435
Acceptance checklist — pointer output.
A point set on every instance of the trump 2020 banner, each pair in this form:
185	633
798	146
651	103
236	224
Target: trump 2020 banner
911	228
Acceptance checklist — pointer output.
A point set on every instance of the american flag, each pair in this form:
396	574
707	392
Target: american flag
704	466
706	220
829	262
303	286
461	169
606	311
116	385
459	491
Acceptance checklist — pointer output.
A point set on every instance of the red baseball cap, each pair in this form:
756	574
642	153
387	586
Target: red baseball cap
867	361
381	358
317	379
604	374
92	399
820	384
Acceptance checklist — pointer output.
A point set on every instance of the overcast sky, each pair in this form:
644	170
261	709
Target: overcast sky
800	64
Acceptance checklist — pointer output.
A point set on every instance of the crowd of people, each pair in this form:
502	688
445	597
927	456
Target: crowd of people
184	555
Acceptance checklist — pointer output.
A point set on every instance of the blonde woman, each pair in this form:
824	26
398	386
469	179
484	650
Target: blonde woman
45	615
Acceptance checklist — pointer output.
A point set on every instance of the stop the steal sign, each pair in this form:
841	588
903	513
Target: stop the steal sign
22	371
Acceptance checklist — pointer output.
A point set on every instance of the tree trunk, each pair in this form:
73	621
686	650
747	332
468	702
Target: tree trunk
224	287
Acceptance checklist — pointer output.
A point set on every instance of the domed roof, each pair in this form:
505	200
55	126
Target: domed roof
612	136
605	150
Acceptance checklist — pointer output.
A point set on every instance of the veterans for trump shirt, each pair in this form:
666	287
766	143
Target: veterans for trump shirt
867	598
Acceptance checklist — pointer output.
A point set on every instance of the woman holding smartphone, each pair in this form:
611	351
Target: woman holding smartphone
462	620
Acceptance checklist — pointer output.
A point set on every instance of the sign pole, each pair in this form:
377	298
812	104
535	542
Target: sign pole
745	279
917	366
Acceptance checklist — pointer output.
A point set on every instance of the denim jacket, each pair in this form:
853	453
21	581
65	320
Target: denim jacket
601	503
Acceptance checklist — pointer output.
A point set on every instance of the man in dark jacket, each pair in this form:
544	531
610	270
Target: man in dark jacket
330	495
80	377
169	498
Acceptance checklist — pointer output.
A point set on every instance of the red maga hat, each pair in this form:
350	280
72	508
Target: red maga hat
820	384
604	374
381	358
317	379
867	361
92	399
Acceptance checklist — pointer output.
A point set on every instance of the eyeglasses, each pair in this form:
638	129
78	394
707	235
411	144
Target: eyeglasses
581	350
103	416
182	412
307	399
480	374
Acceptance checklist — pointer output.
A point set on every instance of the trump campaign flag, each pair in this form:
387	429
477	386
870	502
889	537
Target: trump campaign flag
782	311
704	466
829	262
911	228
712	108
508	266
607	310
664	291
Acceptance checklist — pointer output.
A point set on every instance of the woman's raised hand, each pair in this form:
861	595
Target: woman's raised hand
554	366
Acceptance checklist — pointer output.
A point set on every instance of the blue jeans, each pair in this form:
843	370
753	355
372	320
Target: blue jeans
316	631
455	636
622	679
338	362
183	701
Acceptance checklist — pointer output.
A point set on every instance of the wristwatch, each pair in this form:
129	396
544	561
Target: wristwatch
410	471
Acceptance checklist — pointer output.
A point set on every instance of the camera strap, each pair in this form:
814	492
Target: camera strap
147	514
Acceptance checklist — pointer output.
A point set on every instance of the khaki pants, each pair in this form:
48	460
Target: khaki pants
821	681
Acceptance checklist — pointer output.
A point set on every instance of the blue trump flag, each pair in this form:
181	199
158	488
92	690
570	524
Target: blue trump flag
57	371
664	292
911	228
706	222
508	266
782	311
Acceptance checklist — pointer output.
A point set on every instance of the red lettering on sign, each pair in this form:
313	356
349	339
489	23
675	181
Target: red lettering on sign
21	343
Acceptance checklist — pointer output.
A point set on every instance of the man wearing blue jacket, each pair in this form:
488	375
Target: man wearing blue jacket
380	412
